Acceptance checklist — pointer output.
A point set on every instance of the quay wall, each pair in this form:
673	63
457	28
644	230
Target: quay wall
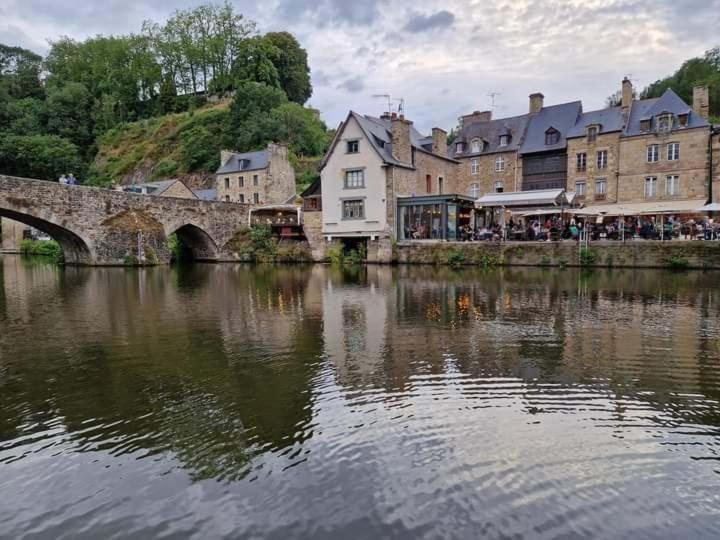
604	254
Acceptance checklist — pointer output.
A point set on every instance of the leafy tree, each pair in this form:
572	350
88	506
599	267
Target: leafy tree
24	116
38	156
292	66
67	113
299	127
256	62
20	71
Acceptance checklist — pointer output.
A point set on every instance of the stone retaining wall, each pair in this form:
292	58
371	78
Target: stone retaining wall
632	254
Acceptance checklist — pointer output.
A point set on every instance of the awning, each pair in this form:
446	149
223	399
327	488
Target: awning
712	207
691	206
540	197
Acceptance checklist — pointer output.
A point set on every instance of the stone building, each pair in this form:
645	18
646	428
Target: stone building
372	167
263	177
162	188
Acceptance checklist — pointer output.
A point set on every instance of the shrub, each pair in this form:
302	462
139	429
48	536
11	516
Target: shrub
455	257
335	253
166	168
354	257
678	262
545	260
562	262
43	248
587	257
293	253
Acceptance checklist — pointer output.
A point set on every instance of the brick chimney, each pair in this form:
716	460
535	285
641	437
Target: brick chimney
401	146
225	156
439	144
627	94
701	101
475	118
536	102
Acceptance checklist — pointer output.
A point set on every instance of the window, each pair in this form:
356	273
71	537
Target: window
227	198
601	187
672	185
552	136
428	183
653	153
241	181
580	188
412	155
475	190
227	183
476	146
256	198
602	159
242	198
673	151
353	147
644	125
499	187
664	122
683	120
499	164
504	140
355	179
255	179
581	161
592	133
440	185
459	148
650	187
354	209
474	167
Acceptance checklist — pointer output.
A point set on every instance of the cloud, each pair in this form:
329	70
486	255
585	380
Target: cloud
354	85
324	12
424	23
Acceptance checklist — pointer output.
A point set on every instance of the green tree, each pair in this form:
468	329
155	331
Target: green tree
256	62
292	66
299	127
20	71
45	157
68	113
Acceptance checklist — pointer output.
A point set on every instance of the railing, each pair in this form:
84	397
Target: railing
286	220
600	196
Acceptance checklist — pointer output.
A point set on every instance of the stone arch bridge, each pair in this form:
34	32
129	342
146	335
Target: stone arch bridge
98	226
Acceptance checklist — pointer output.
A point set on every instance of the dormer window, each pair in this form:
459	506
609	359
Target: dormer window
644	125
683	119
476	146
664	123
592	133
504	140
552	136
459	148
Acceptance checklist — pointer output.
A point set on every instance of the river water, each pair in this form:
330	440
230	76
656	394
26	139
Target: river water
223	401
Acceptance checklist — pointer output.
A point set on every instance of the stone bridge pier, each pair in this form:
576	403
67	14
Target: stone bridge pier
98	226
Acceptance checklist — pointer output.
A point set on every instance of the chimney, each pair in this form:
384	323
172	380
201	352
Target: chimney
627	94
475	118
401	147
439	144
536	102
225	156
701	101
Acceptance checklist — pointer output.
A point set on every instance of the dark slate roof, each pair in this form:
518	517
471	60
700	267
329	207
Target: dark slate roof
646	109
257	160
314	189
610	120
378	131
206	194
152	188
490	133
561	117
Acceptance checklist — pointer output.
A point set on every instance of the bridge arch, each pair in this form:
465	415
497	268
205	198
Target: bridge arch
201	245
75	248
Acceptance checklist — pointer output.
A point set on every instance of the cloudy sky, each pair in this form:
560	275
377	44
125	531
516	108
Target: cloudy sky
444	57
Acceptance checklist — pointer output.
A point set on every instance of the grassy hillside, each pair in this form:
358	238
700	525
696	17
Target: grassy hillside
184	144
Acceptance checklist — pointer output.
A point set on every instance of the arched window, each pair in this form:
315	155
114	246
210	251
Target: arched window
476	146
459	148
552	136
475	191
499	164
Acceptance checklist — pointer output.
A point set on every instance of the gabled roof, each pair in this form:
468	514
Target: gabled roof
314	189
206	194
156	188
609	120
254	161
490	133
561	117
669	102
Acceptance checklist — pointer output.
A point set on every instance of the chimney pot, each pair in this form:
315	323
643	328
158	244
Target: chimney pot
439	141
627	94
701	101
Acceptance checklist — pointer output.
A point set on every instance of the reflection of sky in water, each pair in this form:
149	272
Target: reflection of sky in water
313	402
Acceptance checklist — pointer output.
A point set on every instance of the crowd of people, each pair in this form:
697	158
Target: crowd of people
553	228
68	180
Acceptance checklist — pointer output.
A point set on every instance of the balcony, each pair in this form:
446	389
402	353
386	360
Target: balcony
281	216
600	196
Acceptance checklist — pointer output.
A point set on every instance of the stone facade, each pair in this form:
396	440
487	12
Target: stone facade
488	175
179	190
12	235
691	167
272	184
106	227
592	172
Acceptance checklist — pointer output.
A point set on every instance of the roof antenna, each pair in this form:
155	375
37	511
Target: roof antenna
492	95
388	98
